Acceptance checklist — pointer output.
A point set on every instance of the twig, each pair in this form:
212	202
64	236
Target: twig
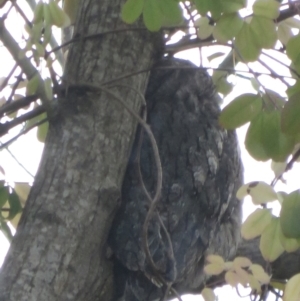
53	43
18	162
277	294
5	127
288	167
17	104
229	70
272	72
7	78
25	64
4	145
256	77
92	36
283	64
20	11
15	86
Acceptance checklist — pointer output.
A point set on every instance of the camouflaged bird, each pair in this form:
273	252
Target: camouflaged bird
201	173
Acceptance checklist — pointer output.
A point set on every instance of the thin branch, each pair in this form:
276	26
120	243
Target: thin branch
7	78
93	36
256	77
229	70
25	64
273	73
292	11
20	11
280	62
288	167
14	87
17	104
5	127
185	44
18	162
53	42
6	144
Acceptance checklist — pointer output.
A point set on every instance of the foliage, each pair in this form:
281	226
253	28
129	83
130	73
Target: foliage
10	206
269	30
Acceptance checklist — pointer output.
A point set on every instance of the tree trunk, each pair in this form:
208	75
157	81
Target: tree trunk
59	251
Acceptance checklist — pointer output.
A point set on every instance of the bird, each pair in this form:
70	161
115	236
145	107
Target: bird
197	213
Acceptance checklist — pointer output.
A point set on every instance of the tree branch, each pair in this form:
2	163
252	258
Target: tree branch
185	44
25	64
5	127
16	105
6	144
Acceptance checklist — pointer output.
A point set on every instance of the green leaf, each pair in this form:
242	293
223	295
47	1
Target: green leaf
293	48
208	294
215	55
292	289
131	10
284	33
289	244
260	192
289	215
204	28
203	6
152	15
270	245
264	139
48	88
266	8
32	85
227	27
256	223
42	131
34	120
223	86
272	100
22	189
245	44
171	12
264	31
14	205
3	195
290	121
240	111
217	7
255	84
292	22
231	6
290	91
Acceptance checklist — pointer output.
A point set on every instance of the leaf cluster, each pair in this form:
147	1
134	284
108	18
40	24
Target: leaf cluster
10	206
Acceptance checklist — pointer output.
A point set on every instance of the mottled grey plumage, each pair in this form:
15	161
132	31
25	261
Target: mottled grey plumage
201	173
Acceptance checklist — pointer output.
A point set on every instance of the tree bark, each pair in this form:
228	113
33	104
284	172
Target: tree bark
59	250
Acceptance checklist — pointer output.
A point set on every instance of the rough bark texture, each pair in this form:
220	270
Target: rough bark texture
59	250
201	173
